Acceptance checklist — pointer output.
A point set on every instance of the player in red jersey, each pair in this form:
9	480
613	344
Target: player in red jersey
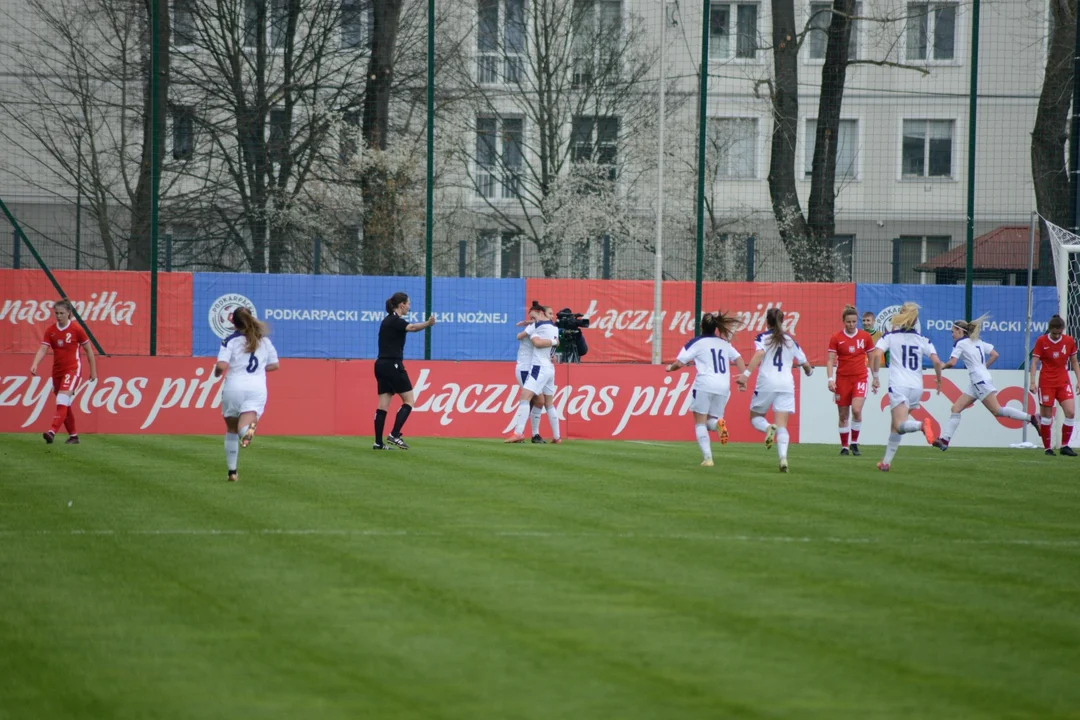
65	338
1053	351
848	350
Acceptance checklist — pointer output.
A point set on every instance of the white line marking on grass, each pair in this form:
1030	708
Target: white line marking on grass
690	537
647	442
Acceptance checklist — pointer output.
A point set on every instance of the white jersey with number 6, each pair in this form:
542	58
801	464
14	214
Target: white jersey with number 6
247	370
712	357
906	350
774	373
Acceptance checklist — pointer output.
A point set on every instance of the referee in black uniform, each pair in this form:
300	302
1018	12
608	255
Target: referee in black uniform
390	369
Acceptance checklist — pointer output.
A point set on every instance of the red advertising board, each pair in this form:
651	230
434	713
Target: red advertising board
621	313
114	305
333	397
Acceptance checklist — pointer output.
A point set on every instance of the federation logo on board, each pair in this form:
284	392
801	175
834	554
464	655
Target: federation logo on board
221	312
883	321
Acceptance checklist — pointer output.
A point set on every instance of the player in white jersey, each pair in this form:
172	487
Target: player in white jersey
521	372
245	357
906	348
977	356
712	356
776	353
540	379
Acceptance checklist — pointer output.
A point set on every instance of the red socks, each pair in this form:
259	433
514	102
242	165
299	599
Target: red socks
59	418
844	439
69	423
1066	434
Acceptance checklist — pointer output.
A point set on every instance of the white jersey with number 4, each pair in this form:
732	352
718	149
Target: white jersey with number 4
973	353
712	357
542	355
906	350
247	370
774	373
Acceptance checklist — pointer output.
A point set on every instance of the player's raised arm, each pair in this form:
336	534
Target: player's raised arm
417	327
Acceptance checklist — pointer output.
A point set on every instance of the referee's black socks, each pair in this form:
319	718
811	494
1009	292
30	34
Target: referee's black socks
380	423
399	421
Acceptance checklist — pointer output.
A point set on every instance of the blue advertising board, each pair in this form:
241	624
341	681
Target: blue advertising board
338	316
941	304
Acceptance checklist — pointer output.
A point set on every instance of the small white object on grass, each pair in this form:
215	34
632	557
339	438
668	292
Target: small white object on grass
69	503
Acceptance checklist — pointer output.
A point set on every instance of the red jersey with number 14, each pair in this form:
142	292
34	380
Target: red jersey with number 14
851	352
1054	357
65	343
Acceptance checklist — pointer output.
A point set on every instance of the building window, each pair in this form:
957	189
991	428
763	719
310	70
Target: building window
597	33
738	20
183	23
182	249
252	8
183	132
911	251
927	148
820	18
499	157
356	24
279	23
500	41
733	145
847	149
931	31
596	140
277	145
498	254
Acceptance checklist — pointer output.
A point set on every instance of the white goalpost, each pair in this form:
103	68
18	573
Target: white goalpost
1066	254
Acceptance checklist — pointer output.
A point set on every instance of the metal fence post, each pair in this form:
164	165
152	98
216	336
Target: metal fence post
316	260
15	247
168	252
750	258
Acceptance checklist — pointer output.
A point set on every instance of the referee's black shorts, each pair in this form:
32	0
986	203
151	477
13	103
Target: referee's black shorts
392	377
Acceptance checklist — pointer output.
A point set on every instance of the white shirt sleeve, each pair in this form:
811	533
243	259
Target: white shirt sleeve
955	352
686	356
733	354
271	352
882	344
928	347
800	356
225	352
759	344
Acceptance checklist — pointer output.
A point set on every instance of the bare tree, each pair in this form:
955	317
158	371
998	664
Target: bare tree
82	69
1053	196
559	101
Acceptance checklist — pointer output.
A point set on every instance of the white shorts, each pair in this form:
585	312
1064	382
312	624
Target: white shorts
521	374
242	400
541	380
912	397
981	390
707	403
778	400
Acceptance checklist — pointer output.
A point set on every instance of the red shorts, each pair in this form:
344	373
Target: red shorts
1049	395
848	388
66	382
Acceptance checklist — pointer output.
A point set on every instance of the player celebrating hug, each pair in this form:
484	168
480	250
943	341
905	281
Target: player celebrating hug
978	356
65	337
712	356
849	349
906	348
1053	352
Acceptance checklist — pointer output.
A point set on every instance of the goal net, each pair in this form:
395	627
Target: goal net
1066	253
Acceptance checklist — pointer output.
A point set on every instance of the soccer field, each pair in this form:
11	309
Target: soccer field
471	579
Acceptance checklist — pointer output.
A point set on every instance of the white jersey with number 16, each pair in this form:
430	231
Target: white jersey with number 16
906	350
774	373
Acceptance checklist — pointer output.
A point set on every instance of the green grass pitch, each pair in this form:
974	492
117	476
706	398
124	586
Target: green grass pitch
469	579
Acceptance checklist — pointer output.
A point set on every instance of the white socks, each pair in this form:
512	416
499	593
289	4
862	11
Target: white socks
537	413
782	442
232	449
910	426
1014	413
760	423
553	420
522	417
891	448
950	429
703	441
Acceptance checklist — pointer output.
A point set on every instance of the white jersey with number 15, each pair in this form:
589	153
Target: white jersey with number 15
906	350
774	373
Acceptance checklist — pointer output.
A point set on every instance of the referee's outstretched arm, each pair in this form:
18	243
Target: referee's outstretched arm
417	327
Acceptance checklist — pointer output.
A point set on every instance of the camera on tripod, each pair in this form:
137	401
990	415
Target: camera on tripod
572	345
